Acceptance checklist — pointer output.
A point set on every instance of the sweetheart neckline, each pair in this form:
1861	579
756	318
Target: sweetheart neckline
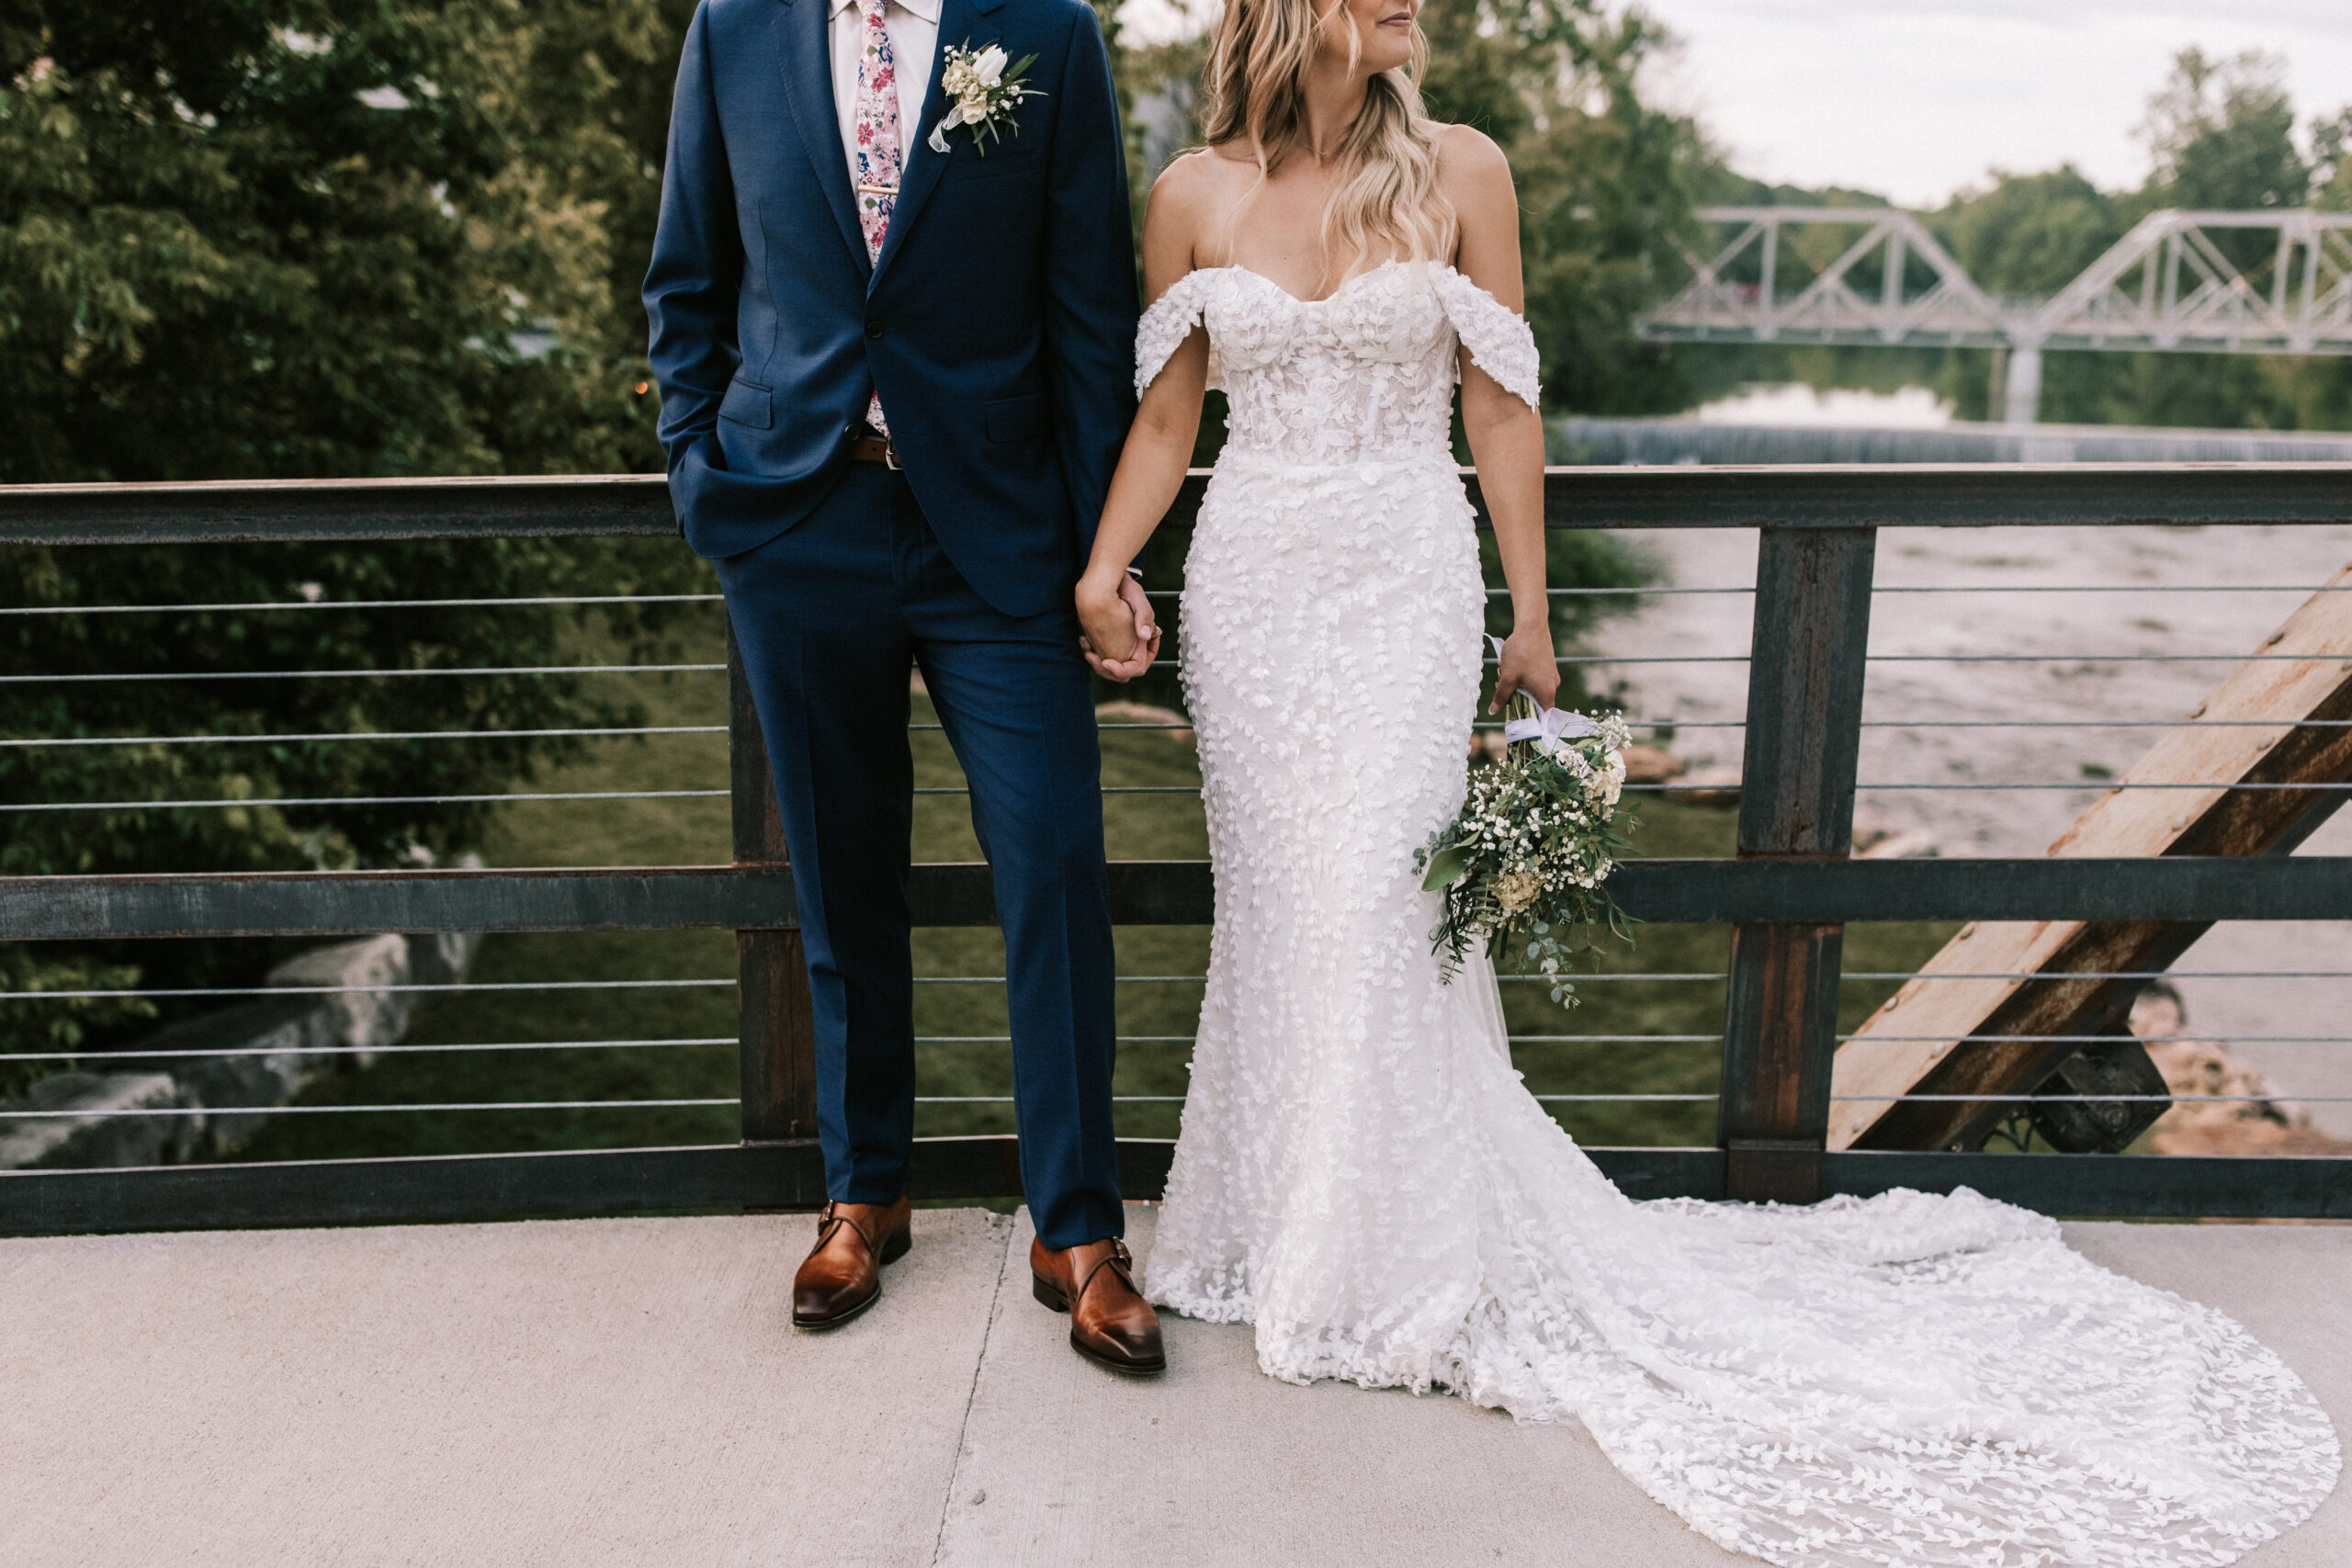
1350	283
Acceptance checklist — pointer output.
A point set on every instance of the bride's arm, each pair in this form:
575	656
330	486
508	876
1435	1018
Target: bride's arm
1506	434
1159	444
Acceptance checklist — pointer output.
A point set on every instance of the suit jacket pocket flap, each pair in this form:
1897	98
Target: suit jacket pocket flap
747	404
1015	419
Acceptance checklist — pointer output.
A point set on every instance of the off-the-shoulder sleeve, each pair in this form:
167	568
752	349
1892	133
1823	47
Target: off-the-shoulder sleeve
1497	336
1165	325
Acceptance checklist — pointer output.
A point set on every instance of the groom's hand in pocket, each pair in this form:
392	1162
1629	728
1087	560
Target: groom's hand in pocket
1121	635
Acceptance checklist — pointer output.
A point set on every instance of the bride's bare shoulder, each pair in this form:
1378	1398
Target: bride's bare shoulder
1193	192
1204	175
1471	170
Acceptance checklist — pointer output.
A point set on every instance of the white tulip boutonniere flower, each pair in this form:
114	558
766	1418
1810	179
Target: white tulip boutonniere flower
986	91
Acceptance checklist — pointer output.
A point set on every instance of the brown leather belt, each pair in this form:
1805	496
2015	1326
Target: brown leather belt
873	449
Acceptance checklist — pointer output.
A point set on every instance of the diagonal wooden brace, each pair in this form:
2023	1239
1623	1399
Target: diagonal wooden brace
1967	1035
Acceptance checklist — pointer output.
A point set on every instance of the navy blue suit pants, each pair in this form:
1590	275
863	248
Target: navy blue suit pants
829	615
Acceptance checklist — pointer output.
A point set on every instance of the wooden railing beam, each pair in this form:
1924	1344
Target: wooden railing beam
1145	893
775	1020
1804	738
1788	495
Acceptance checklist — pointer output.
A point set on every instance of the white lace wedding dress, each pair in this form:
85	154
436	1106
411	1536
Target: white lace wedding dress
1362	1176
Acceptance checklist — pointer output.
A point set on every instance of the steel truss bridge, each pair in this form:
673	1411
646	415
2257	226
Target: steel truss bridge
2179	282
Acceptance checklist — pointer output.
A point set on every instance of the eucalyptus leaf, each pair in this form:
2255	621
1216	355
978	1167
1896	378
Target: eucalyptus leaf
1447	866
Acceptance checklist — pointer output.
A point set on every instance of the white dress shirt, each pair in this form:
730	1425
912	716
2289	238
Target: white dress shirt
913	25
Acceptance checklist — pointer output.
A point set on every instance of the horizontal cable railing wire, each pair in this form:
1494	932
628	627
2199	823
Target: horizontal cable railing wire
1936	724
2103	1039
363	674
1007	1039
261	991
1578	659
2093	784
592	734
230	803
360	800
1960	588
262	604
258	991
2100	658
401	1049
2027	1099
1107	789
109	1112
2104	974
1630	975
371	734
1201	979
1612	1039
2104	724
254	992
532	600
1007	1099
559	601
117	1112
1593	1040
2036	1098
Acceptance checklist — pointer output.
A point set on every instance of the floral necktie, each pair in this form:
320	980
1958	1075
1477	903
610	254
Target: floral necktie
877	147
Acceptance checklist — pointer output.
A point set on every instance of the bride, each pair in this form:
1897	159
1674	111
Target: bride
1362	1177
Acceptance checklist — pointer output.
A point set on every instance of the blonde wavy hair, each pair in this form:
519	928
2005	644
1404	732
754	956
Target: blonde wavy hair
1387	197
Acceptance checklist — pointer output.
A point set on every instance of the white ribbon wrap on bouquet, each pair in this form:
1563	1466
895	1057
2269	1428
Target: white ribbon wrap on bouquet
1550	727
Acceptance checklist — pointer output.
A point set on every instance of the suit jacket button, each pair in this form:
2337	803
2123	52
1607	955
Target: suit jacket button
874	326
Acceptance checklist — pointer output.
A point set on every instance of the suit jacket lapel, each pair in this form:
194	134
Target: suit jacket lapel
959	23
806	54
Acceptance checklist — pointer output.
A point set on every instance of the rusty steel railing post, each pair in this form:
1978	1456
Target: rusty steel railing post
1804	737
775	1029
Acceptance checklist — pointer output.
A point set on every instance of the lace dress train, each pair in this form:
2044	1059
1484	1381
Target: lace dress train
1363	1179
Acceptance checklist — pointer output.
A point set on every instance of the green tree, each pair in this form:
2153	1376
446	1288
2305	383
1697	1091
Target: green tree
2222	137
2332	163
291	238
306	239
2028	236
2222	133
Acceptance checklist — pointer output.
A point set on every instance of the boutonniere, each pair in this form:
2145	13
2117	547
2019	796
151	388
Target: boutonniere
986	91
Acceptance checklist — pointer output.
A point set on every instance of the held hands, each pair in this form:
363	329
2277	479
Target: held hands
1121	636
1527	665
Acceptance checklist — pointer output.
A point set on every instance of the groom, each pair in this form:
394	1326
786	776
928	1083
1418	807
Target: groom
895	380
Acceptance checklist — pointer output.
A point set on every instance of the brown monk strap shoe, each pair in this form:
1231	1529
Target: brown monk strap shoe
1109	1323
842	1276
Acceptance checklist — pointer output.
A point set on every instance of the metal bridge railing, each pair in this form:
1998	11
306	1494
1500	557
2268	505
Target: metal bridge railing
1786	896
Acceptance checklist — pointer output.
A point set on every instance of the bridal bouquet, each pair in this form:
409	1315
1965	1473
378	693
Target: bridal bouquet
1524	863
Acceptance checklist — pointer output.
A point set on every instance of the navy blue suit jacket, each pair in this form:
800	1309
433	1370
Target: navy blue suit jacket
998	324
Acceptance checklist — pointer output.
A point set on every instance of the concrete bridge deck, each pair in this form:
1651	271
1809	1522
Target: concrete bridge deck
629	1392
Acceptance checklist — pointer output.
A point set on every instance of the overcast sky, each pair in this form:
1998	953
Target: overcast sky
1916	98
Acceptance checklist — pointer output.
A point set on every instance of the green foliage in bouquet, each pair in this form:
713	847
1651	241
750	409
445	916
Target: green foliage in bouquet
1524	863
